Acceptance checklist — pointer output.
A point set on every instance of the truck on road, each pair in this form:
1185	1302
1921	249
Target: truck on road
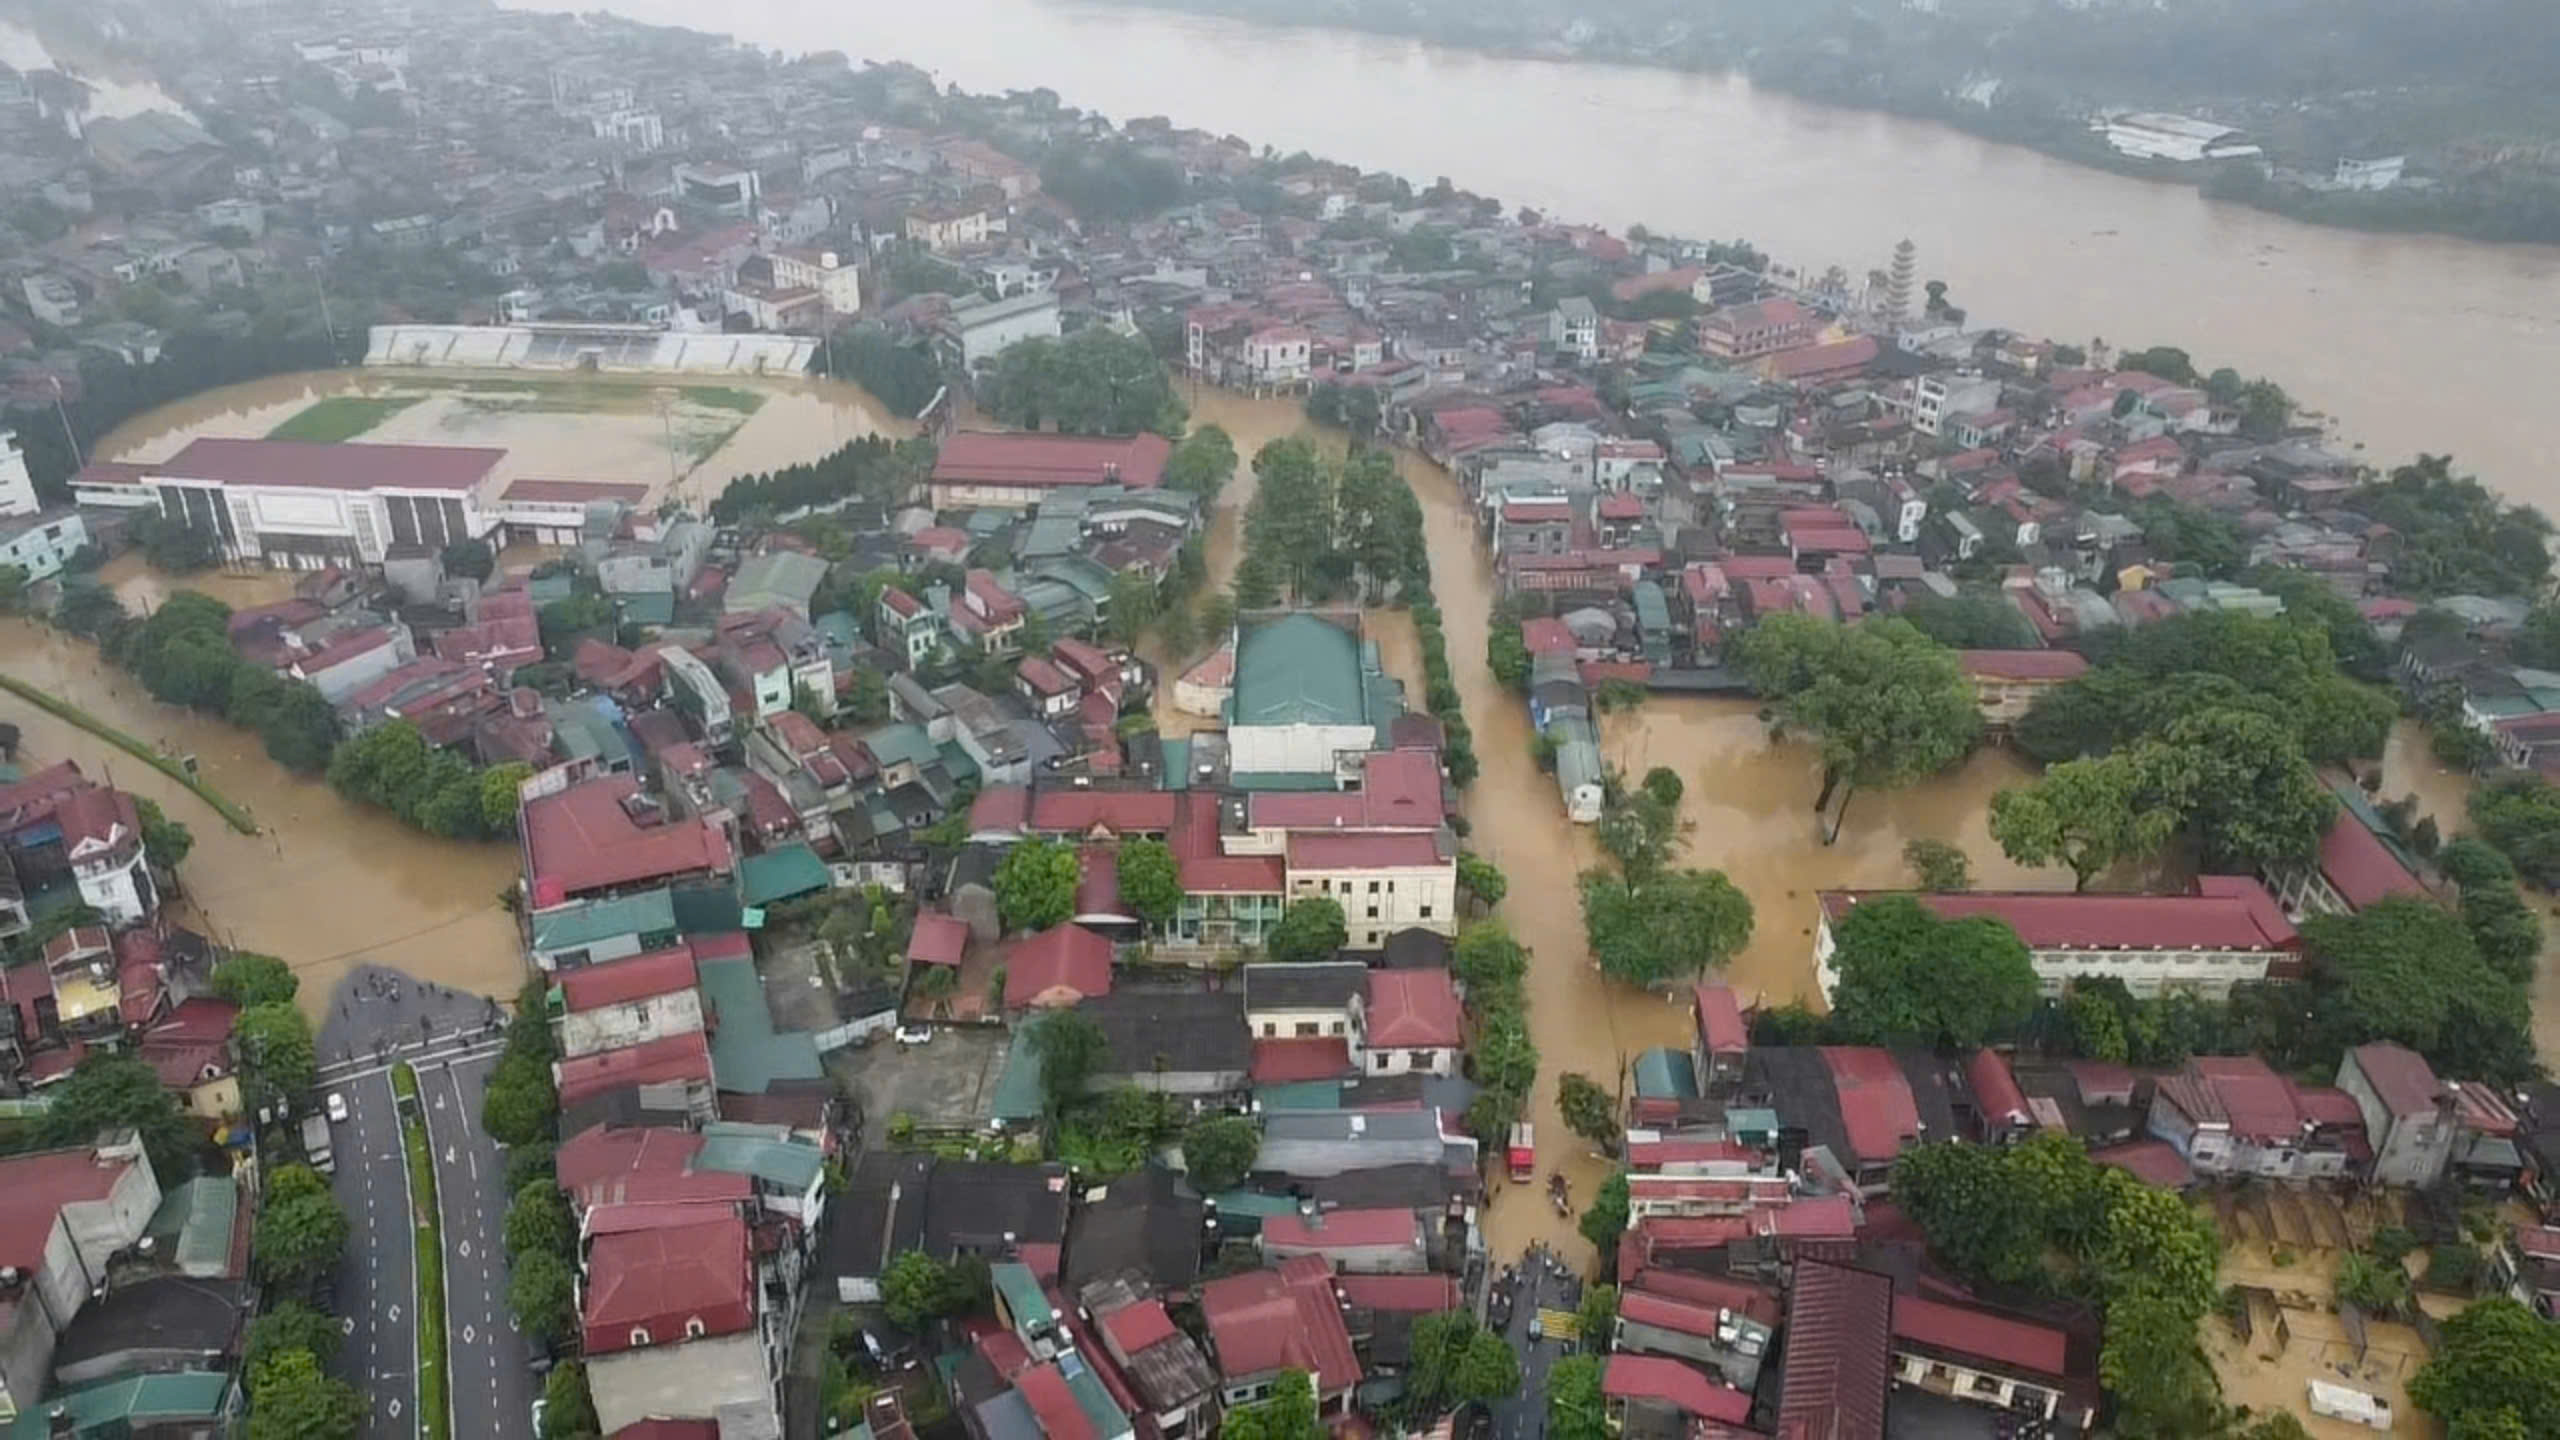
315	1143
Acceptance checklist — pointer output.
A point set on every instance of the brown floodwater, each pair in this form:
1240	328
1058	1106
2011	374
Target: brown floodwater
630	429
326	884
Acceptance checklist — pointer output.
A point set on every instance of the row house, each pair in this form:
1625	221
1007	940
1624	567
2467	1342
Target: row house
2228	931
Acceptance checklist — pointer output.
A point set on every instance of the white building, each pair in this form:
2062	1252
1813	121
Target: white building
641	130
2376	174
837	282
303	506
976	334
1577	327
1279	355
17	487
2229	931
1937	398
728	190
2150	135
1384	883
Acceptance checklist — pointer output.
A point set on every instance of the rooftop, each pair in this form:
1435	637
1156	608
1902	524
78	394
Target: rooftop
980	457
1299	670
651	1286
602	834
301	464
2244	917
1285	1319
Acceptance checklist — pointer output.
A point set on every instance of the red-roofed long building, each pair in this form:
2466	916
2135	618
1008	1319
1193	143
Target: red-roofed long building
673	1319
987	468
304	505
1265	1321
2231	930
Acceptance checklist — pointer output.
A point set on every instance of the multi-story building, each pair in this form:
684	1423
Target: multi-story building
837	283
1763	327
2409	1116
971	336
2228	931
978	468
2007	682
308	506
2234	1115
949	227
63	1214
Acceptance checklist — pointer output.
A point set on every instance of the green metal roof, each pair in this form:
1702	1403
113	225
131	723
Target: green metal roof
706	909
747	1053
1107	1418
962	766
646	607
1300	1095
1017	1095
758	1150
781	874
785	577
118	1407
1285	780
1652	612
1299	670
1019	1289
1254	1203
649	912
893	744
194	1223
1666	1073
550	589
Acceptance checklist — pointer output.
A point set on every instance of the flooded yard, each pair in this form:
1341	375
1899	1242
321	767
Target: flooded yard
685	437
326	885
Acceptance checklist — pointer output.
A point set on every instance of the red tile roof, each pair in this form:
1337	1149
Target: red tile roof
1067	811
979	457
582	840
652	1062
1205	867
301	463
1098	881
1544	634
1412	1010
1964	1331
1399	790
2401	1078
1283	1319
939	939
1667	1381
34	1188
1876	1107
2240	1091
1720	1020
1995	1090
668	1430
1133	1328
1053	1404
617	982
1291	1060
664	1280
2360	867
1714	1292
1000	807
1838	1365
2052	920
1058	966
1343	1229
1044	677
1404	850
1399	1294
602	1152
2023	664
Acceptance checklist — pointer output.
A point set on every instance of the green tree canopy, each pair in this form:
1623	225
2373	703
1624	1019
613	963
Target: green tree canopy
1907	977
1576	1410
290	1325
538	1219
2252	799
247	979
542	1296
1972	620
1456	1361
167	841
1606	1219
1482	879
1287	1413
292	1398
2087	814
916	1288
1036	884
1937	865
115	1090
1149	880
1886	704
1093	382
568	1408
1071	1048
1311	929
301	1231
1218	1151
1676	926
1202	463
1589	1111
276	1049
2457	536
1640	831
1488	961
2498	1359
519	1105
2406	969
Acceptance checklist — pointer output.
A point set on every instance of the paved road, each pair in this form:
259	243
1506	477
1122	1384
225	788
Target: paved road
375	1018
493	1385
1536	1282
376	1287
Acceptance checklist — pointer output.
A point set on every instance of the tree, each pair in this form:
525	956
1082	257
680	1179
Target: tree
2406	969
1036	884
1311	929
916	1288
1597	1317
1287	1413
1588	1110
2251	797
2166	361
1886	704
290	1325
1456	1361
1506	654
2151	1363
1132	605
1290	526
1218	1151
1676	926
291	1398
542	1296
1937	865
2506	931
113	1090
2520	818
499	786
1576	1409
519	1105
538	1219
2497	1357
165	840
247	979
1606	1220
2375	1284
1149	880
1972	620
470	559
1482	879
568	1408
1488	961
1203	463
1505	1058
2086	814
276	1050
1093	382
1907	977
1071	1048
301	1232
1640	832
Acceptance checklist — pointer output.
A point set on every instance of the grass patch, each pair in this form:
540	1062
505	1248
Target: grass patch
435	1414
238	818
342	417
723	397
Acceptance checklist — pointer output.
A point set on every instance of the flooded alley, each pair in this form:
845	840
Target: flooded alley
326	884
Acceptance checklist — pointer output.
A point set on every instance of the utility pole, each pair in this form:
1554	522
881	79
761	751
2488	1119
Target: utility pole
320	282
78	460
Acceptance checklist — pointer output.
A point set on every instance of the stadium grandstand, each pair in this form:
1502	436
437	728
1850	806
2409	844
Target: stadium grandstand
608	349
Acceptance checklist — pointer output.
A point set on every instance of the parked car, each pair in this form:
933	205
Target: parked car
915	1034
337	1108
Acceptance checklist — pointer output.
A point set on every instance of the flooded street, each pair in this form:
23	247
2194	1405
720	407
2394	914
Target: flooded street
686	438
327	886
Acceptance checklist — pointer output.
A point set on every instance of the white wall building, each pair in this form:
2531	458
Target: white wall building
2231	930
835	279
303	506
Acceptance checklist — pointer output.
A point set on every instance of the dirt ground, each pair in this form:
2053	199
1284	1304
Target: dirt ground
946	1083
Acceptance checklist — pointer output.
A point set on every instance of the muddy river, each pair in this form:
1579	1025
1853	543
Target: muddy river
326	884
